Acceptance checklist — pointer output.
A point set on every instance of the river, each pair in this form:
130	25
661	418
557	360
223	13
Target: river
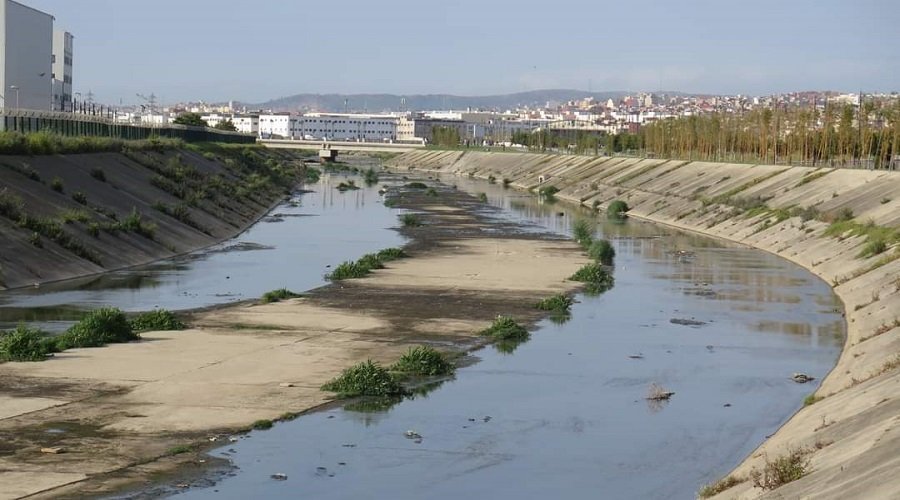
565	414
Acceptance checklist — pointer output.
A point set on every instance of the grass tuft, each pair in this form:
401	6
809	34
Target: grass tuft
157	320
364	379
597	278
278	295
784	469
602	251
558	303
410	220
24	344
423	360
98	328
505	328
713	489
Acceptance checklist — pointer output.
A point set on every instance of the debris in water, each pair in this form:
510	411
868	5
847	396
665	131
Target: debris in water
657	392
636	356
487	418
727	405
687	322
349	445
412	435
279	476
802	378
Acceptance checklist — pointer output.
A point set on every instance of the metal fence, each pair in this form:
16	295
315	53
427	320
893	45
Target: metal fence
78	125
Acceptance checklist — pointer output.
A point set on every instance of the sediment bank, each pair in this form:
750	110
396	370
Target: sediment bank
118	412
850	428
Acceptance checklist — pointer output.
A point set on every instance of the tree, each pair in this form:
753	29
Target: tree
192	119
226	125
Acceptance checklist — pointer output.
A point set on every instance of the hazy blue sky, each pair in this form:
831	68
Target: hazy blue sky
257	50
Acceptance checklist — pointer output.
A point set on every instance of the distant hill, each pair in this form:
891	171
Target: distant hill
374	103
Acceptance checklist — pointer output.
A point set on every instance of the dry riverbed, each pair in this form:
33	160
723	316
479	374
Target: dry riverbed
117	413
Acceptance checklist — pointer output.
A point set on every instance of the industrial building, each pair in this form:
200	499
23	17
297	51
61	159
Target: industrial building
63	51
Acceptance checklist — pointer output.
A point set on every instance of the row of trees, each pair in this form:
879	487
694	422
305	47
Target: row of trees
446	137
195	120
845	135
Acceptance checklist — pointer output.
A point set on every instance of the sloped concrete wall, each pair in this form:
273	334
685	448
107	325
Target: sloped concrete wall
853	431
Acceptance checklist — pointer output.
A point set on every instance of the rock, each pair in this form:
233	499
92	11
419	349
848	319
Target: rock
54	450
232	439
412	435
487	418
636	356
279	476
802	378
285	384
727	405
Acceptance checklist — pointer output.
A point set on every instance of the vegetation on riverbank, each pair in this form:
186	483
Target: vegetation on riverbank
365	264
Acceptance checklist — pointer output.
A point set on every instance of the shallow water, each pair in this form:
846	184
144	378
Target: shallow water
290	248
567	414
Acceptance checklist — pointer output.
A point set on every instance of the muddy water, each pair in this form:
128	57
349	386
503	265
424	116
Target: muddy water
565	415
289	248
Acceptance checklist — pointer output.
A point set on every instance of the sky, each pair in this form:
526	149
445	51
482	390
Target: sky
253	51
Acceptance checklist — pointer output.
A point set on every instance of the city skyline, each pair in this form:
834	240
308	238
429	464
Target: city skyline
217	51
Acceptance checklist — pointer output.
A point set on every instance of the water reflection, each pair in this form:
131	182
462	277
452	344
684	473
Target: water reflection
318	228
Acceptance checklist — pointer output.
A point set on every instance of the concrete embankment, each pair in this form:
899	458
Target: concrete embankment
851	429
63	216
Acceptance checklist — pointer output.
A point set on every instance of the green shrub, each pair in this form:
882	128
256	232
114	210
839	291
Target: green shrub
93	229
410	220
364	379
872	248
616	209
423	360
179	449
482	197
416	185
602	251
23	344
57	184
548	191
157	320
370	176
782	470
811	400
505	328
583	232
99	174
35	240
506	182
97	328
558	303
261	425
70	216
365	264
312	174
348	270
389	254
79	198
431	192
278	295
597	278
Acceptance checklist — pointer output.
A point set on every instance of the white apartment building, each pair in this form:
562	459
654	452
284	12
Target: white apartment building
26	45
247	124
63	51
278	126
348	127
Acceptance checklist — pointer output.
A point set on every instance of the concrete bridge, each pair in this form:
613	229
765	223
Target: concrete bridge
339	146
